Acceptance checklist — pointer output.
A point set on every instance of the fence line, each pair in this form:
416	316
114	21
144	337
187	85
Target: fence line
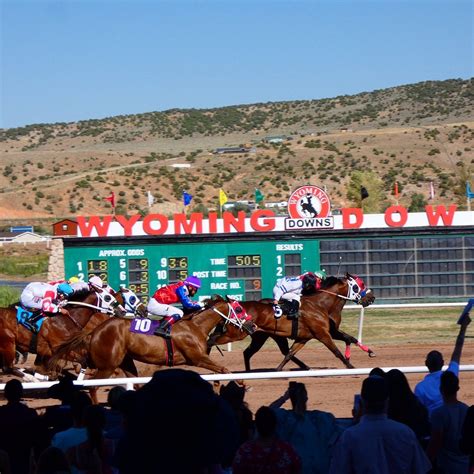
396	306
129	382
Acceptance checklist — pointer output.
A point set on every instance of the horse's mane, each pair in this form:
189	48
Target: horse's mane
80	295
330	281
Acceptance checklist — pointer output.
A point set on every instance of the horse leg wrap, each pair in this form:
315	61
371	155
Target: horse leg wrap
364	348
347	353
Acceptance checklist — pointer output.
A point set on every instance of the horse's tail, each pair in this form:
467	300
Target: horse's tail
77	344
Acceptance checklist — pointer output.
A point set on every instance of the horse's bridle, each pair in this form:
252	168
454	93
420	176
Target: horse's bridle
235	320
356	299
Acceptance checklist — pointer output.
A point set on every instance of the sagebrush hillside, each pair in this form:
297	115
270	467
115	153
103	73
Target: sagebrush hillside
414	134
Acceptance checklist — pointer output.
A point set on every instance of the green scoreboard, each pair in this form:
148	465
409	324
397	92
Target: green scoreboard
241	269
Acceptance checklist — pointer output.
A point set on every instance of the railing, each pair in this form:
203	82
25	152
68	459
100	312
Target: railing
129	382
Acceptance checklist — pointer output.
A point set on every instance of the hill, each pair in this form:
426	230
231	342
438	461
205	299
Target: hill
413	134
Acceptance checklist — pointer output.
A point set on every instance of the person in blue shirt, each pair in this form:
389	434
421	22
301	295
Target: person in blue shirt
427	390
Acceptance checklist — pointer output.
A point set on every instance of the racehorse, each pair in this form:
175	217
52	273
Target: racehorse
106	348
84	313
320	318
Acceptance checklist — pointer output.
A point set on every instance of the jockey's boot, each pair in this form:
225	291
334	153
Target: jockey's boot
164	329
293	309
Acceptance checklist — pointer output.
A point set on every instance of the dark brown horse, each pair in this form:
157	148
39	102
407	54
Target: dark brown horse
107	346
320	318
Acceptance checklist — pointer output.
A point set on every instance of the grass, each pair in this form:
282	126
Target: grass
8	296
24	266
395	326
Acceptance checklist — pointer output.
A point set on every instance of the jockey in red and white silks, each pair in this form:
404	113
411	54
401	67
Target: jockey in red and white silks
46	297
161	302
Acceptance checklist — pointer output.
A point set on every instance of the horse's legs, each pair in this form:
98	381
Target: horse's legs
207	363
100	374
326	339
295	347
258	339
282	343
348	339
128	367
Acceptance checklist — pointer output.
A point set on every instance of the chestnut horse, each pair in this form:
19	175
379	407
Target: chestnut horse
320	318
106	348
84	313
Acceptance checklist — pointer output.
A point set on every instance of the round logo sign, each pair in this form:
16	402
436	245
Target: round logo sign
308	201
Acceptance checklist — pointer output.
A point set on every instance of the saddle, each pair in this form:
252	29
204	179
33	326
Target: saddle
290	308
30	318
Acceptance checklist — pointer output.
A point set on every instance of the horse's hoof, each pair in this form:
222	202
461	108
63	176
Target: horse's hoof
372	354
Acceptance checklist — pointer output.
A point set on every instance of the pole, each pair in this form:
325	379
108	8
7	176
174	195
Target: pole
361	324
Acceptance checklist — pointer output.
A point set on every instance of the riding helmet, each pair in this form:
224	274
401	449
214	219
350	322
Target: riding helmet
96	281
193	281
65	289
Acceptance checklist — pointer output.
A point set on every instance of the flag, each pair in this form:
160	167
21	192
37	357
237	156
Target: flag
258	195
431	190
111	199
151	199
222	197
363	193
469	193
395	191
187	198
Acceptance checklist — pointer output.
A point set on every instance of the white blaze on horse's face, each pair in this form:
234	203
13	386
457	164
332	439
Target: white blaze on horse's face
356	288
130	300
106	300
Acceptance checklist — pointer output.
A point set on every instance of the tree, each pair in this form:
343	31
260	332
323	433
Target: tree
418	203
376	198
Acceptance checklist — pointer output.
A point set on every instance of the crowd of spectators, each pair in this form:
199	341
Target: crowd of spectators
177	423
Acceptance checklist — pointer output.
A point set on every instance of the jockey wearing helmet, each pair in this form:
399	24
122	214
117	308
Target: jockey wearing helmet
160	303
45	297
290	289
96	283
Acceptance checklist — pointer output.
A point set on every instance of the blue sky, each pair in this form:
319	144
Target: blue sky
73	60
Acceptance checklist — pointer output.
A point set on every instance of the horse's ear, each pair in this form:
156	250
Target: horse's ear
348	275
228	299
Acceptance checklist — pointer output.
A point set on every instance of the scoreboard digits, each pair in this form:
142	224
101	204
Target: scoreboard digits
249	269
98	268
177	269
139	277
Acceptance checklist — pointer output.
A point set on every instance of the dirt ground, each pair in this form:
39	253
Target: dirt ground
334	394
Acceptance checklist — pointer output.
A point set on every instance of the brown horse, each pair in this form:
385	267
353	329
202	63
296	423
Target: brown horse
320	317
106	348
84	313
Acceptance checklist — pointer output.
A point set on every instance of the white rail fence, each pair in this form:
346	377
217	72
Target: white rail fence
130	382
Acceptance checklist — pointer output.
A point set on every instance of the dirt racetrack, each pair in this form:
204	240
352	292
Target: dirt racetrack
334	394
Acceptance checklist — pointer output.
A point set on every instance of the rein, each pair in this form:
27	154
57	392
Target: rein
236	321
335	294
100	309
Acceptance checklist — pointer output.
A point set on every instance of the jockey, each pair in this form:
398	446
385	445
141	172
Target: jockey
46	297
290	290
161	302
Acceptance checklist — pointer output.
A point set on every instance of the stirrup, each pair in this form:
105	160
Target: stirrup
163	332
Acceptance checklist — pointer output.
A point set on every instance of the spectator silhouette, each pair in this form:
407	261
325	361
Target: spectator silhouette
377	371
177	424
94	455
113	417
427	390
4	462
52	461
59	417
404	406
266	454
466	443
377	444
19	429
311	433
77	433
447	422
